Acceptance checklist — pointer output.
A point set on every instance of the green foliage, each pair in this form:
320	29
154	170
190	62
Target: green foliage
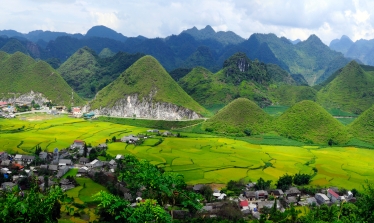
284	182
87	73
290	95
301	179
261	184
179	73
239	116
352	90
20	74
32	206
306	121
235	186
146	78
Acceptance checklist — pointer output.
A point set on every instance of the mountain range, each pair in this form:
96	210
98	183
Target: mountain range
310	58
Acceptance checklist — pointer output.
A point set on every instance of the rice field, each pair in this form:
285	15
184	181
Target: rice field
200	158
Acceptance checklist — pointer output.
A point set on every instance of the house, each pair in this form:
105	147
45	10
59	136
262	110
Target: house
198	187
83	160
65	162
167	133
102	146
268	204
277	193
261	194
18	157
5	163
83	170
77	112
293	191
28	158
251	195
291	200
43	155
3	155
17	166
311	201
95	163
53	168
244	204
322	198
129	139
3	104
7	185
113	163
119	157
153	130
78	144
61	172
334	197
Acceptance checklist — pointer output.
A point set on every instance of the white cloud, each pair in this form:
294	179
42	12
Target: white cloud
159	18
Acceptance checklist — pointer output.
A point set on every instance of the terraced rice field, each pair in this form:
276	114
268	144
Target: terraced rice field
200	158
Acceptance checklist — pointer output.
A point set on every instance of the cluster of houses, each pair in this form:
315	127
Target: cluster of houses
252	202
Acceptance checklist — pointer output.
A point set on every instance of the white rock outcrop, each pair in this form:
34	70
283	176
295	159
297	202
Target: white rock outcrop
27	98
131	106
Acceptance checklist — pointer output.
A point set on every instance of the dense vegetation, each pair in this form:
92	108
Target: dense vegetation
20	74
147	79
363	127
240	77
87	73
351	90
307	121
240	116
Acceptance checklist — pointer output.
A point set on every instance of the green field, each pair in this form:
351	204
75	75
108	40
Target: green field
200	158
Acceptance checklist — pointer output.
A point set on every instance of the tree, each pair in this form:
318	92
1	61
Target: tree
114	139
85	150
262	184
301	179
207	192
284	182
46	183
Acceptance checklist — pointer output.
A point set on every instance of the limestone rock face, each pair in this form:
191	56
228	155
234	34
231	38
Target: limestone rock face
132	106
38	98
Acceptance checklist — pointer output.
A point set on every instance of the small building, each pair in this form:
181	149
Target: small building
53	168
293	191
277	192
167	133
83	170
61	172
251	195
3	155
5	163
291	200
78	144
119	157
28	158
311	201
129	139
95	163
112	163
18	157
102	146
261	194
65	162
198	187
334	197
322	198
153	130
83	160
43	155
268	204
77	112
244	204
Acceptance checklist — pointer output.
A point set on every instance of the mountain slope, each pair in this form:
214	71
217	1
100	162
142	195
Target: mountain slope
341	45
105	32
351	90
87	73
240	116
309	122
363	126
146	90
20	74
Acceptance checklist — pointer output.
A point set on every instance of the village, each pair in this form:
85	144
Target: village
50	167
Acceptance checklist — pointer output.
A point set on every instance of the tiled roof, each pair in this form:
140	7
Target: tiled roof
330	191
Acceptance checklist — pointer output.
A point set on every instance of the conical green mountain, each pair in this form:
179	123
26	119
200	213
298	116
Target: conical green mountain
147	81
240	77
240	116
363	126
352	90
20	74
87	73
309	122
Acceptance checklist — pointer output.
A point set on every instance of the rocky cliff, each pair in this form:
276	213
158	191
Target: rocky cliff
132	106
27	98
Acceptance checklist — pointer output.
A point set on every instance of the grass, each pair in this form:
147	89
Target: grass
275	110
72	172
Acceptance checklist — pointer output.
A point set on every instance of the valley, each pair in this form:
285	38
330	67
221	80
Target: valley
201	158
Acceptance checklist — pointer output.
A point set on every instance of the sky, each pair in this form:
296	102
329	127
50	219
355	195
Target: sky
293	19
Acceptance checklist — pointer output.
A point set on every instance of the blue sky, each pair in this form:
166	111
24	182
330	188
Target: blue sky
328	19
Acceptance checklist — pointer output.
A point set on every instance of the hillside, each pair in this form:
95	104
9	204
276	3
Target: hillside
352	90
240	116
341	45
240	77
309	122
363	126
146	90
20	74
87	73
105	32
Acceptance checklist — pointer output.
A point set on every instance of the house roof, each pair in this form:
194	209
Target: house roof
244	203
102	145
119	157
250	193
112	162
261	192
94	162
18	156
198	186
78	141
83	159
293	190
277	192
53	167
322	196
291	200
66	161
17	165
330	191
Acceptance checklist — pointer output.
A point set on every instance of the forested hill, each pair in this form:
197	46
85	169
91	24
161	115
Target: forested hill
310	58
87	73
20	74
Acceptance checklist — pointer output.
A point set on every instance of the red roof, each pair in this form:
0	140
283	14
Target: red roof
81	141
244	203
76	109
333	193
